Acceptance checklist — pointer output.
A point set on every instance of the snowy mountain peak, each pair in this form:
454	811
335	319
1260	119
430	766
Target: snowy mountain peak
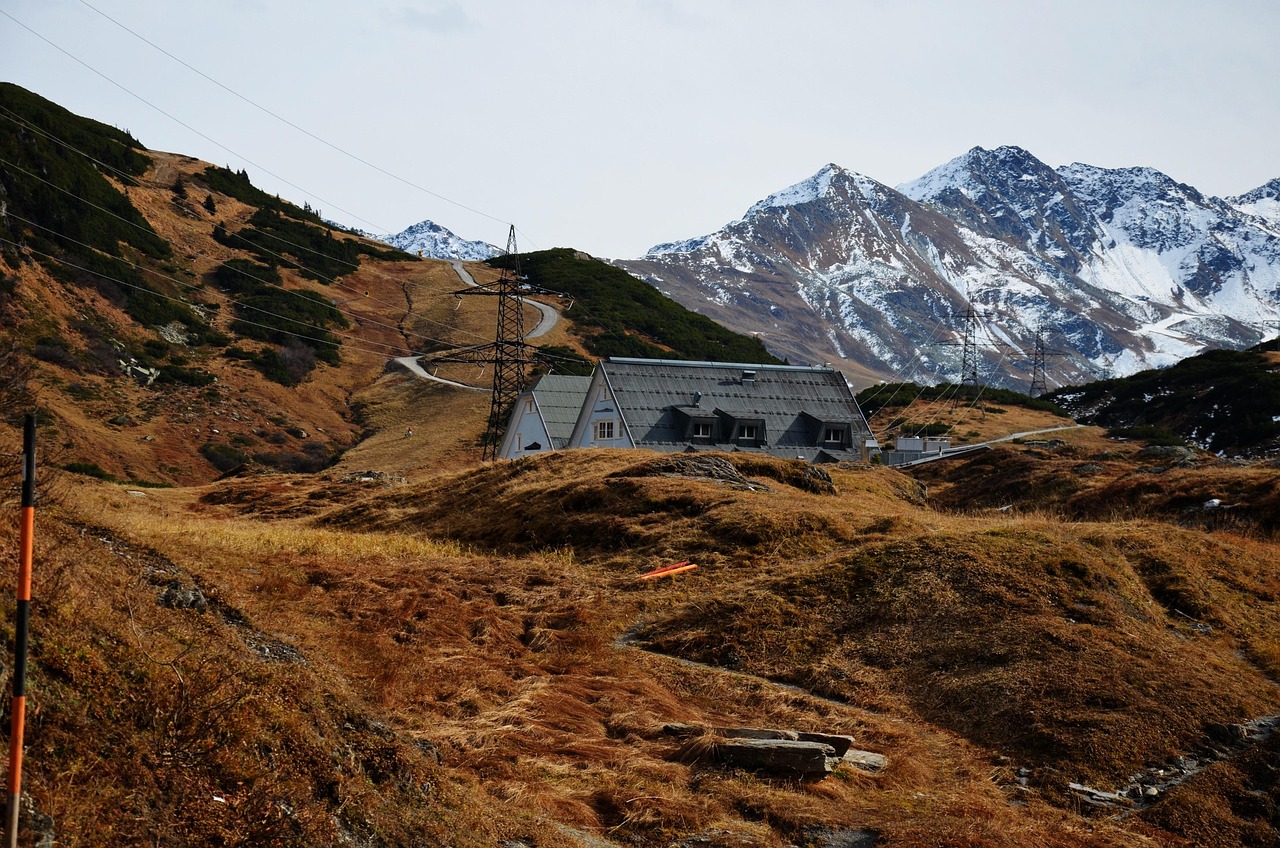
1267	191
818	186
978	172
1263	201
433	241
831	184
1131	268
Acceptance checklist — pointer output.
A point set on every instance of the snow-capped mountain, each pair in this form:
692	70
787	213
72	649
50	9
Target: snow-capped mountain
1118	269
433	241
1263	201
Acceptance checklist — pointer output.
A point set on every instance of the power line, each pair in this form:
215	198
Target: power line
125	176
300	129
68	264
182	123
294	292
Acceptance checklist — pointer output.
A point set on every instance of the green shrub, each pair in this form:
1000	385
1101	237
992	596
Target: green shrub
1148	433
90	469
177	375
92	211
223	457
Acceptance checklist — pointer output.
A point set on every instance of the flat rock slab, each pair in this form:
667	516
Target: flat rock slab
841	743
759	733
778	756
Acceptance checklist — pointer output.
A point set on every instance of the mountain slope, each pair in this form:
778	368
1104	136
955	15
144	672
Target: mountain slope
1221	400
1118	269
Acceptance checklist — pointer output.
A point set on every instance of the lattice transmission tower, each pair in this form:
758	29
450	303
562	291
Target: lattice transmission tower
508	353
1039	359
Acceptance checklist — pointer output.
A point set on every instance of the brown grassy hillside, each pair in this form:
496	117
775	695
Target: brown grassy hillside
408	647
493	617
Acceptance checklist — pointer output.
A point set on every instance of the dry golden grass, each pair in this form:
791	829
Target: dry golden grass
479	610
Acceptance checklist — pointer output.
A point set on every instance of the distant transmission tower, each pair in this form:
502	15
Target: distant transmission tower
1039	358
508	353
969	349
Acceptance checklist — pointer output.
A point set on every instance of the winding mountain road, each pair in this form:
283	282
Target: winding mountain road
550	316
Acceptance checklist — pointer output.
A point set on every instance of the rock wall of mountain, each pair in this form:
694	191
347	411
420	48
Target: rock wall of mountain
1116	270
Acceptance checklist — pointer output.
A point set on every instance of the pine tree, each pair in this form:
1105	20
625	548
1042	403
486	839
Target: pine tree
179	189
210	205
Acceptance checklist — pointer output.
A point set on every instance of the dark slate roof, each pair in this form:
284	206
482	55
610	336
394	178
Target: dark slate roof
559	399
652	394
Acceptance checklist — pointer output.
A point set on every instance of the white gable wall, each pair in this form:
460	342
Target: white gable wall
525	428
600	423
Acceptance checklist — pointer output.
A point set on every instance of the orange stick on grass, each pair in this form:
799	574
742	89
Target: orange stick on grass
669	571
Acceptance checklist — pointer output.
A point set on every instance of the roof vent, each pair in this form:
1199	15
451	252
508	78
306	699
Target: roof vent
748	377
697	398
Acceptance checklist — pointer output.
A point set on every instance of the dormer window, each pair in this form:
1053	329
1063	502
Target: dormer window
833	435
701	430
748	432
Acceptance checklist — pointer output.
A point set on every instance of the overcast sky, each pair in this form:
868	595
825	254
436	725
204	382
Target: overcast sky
613	126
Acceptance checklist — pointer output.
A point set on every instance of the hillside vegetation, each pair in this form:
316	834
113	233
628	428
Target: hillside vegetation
362	637
615	314
1223	400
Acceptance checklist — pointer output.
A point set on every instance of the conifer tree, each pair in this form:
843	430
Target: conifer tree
210	205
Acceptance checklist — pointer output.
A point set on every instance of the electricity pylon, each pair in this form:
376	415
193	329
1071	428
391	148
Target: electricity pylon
508	353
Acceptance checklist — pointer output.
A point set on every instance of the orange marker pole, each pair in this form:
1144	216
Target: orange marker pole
23	618
663	570
669	572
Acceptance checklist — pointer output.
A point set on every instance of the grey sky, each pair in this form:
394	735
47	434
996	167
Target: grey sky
614	126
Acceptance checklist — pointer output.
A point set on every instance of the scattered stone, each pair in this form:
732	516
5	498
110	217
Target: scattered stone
1098	797
865	760
1087	469
1166	452
179	596
682	730
829	837
1227	734
297	432
174	333
816	480
373	477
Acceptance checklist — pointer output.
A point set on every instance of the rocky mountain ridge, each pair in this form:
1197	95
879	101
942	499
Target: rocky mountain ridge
1117	270
432	241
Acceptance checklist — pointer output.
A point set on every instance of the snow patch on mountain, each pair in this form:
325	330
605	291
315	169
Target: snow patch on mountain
956	174
433	241
1126	268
